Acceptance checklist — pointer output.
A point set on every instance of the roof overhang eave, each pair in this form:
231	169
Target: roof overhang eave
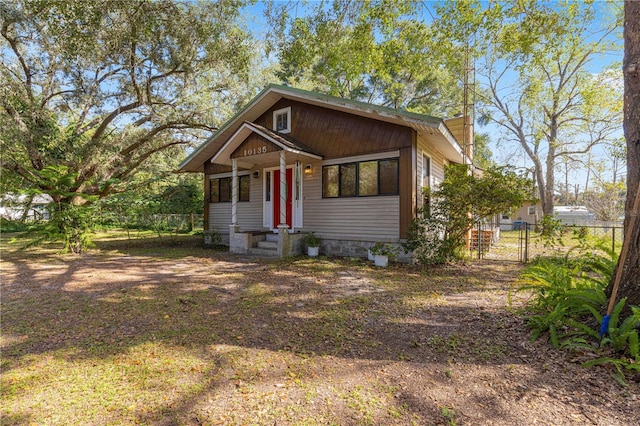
223	156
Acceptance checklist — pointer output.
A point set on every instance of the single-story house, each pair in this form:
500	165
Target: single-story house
27	207
530	212
294	161
574	215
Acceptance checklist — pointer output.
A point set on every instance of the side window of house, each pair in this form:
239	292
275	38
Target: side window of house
388	177
221	189
348	180
267	185
368	182
365	178
426	186
532	210
282	120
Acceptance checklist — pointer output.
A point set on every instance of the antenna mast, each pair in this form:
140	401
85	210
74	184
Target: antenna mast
468	107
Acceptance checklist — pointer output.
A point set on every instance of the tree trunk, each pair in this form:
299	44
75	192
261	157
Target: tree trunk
550	184
630	276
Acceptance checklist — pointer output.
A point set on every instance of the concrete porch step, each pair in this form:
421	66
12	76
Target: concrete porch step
273	245
264	252
271	237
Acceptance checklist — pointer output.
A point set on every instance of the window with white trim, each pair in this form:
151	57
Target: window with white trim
282	120
426	185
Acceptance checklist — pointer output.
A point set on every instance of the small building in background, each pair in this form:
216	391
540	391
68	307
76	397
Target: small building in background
574	215
22	206
530	212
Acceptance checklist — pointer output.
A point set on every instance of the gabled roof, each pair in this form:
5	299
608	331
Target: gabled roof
283	142
433	127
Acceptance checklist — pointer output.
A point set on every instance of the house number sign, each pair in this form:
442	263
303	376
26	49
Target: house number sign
255	151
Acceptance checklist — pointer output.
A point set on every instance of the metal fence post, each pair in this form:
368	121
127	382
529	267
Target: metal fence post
526	242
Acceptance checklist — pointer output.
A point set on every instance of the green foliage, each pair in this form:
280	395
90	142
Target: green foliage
384	249
539	86
162	202
569	296
551	231
104	89
7	225
482	156
375	51
71	214
437	234
311	240
70	224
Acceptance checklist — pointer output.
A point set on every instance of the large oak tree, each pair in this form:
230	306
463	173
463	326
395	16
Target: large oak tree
91	91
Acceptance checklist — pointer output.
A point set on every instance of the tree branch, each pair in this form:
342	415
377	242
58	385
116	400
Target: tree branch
25	67
109	118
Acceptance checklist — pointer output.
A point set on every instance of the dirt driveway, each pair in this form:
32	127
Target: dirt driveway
155	335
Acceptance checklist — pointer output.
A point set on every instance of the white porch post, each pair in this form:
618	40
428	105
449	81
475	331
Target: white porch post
283	189
284	242
234	192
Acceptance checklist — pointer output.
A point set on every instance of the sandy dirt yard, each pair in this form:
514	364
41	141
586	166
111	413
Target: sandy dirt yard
149	333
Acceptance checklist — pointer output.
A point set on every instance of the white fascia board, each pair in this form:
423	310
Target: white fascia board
228	125
248	127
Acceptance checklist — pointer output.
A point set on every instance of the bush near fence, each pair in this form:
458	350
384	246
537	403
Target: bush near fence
158	222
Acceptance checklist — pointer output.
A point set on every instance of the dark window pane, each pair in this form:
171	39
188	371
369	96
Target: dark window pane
368	178
426	171
215	190
268	187
388	177
225	190
330	181
282	121
244	188
348	180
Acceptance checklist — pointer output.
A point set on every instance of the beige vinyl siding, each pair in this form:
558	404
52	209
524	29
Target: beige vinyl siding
249	212
372	218
437	165
220	217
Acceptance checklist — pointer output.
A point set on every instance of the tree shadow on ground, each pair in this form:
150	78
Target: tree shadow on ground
417	335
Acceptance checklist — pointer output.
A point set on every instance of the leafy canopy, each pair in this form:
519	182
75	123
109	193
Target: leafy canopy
93	93
537	76
377	52
99	88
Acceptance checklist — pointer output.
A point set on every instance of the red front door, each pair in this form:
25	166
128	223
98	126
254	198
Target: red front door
276	197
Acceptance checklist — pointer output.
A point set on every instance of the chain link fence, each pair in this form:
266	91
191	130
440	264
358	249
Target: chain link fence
522	241
175	223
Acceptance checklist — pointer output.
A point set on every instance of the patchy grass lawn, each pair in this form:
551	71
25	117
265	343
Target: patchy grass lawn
511	244
168	332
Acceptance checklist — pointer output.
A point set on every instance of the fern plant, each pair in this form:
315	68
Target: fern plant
623	336
569	298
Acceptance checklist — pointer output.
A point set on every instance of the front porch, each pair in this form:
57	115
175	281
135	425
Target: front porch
265	243
275	162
